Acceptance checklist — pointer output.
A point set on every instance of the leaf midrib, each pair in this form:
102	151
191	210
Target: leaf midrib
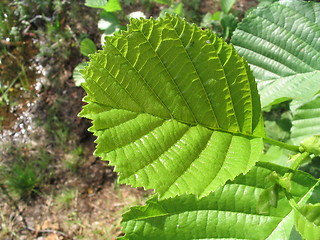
175	84
205	210
186	52
249	136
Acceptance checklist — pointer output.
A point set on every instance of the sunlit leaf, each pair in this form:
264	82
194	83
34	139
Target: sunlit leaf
107	5
307	218
173	107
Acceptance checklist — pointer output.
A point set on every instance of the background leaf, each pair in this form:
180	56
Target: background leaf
164	118
277	155
281	43
87	47
77	76
228	213
107	5
96	3
167	2
113	6
226	5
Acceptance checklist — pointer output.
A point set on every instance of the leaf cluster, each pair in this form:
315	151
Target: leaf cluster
178	110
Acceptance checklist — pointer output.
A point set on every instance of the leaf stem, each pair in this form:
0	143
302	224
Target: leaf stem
296	163
297	160
281	144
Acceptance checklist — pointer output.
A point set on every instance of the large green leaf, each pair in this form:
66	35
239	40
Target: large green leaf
306	120
173	107
282	44
231	212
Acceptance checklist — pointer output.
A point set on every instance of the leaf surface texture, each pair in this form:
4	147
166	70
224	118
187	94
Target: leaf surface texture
306	120
307	219
173	107
281	42
228	213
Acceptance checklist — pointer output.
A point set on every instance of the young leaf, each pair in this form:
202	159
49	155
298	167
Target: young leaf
282	44
306	121
167	2
113	6
87	47
307	220
96	3
277	155
173	107
107	5
231	212
311	145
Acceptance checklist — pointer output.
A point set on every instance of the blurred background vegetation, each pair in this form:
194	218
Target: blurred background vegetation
51	186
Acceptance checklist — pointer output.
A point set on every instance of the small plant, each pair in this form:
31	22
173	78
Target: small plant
22	180
55	125
222	22
74	159
109	22
177	110
65	200
24	177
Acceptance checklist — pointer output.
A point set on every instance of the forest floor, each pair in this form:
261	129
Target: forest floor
74	195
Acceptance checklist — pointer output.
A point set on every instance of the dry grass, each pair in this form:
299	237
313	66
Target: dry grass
70	215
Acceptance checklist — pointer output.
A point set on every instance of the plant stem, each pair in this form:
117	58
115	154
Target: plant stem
281	144
296	163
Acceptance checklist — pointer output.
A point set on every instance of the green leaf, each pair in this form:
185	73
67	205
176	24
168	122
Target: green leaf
299	87
96	3
311	145
307	220
277	155
281	43
174	9
107	5
173	107
231	212
77	76
167	2
229	24
113	6
306	120
108	22
226	5
217	16
87	47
